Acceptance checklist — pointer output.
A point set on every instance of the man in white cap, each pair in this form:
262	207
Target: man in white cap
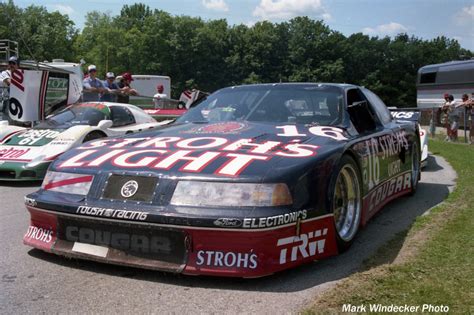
112	88
5	78
93	88
6	75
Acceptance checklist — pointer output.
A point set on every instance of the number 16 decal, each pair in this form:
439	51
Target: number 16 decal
328	132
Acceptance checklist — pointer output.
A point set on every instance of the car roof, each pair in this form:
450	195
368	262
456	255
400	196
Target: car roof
300	84
108	104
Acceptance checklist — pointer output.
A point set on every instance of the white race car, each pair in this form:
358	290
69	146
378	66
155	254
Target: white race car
413	115
25	154
423	146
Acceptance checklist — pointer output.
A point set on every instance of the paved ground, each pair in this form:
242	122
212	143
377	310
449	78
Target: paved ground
33	281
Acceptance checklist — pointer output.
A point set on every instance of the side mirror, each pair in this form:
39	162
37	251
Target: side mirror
105	124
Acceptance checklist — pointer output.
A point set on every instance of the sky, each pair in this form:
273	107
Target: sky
424	19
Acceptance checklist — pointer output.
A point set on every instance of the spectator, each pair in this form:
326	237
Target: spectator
93	88
453	118
159	95
125	88
112	88
5	77
468	104
444	116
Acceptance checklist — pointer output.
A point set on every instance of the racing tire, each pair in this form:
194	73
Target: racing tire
415	167
93	136
346	201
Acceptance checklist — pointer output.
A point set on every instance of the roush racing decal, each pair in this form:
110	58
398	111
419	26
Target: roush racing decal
112	213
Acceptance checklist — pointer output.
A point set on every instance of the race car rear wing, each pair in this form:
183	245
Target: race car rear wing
35	94
410	114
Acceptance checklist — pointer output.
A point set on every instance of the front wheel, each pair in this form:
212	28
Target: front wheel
347	202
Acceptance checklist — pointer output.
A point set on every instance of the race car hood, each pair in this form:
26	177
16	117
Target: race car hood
238	150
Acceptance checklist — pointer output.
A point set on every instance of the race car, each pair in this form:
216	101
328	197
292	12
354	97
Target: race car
254	180
25	154
414	115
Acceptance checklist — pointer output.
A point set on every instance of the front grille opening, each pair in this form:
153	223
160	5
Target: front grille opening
7	174
28	174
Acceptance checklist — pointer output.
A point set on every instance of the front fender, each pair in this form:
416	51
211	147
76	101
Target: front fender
7	130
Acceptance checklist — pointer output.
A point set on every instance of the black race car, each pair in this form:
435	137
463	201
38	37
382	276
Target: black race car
254	180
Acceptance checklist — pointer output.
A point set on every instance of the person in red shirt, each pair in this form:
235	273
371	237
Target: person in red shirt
125	88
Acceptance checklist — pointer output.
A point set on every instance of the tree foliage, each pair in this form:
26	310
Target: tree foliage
213	54
41	35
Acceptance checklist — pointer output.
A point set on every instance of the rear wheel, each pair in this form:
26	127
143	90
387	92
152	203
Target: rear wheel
347	202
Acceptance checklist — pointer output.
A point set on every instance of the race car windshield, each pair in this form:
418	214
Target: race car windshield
302	104
76	115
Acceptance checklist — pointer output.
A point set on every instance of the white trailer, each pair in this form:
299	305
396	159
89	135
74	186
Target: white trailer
455	77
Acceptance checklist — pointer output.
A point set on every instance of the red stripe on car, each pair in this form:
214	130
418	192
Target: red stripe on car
71	181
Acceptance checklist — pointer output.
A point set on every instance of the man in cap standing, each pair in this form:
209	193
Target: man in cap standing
93	88
112	88
5	78
125	88
6	75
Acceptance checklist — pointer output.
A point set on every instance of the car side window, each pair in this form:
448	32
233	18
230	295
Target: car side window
121	116
379	106
361	112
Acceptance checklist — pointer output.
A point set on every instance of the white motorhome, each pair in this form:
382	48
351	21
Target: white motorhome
455	77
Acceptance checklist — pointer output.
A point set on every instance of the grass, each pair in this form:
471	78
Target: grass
440	270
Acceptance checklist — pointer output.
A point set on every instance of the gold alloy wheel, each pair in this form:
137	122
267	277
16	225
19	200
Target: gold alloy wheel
347	203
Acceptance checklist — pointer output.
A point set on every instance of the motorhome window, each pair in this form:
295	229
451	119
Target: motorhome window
429	77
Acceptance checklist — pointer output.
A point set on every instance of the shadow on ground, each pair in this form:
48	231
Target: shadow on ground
393	221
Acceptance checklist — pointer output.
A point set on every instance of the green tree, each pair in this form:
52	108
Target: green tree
41	35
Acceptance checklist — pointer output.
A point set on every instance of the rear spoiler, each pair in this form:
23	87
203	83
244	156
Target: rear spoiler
410	114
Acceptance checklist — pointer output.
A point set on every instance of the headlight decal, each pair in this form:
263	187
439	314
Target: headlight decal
202	194
67	182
